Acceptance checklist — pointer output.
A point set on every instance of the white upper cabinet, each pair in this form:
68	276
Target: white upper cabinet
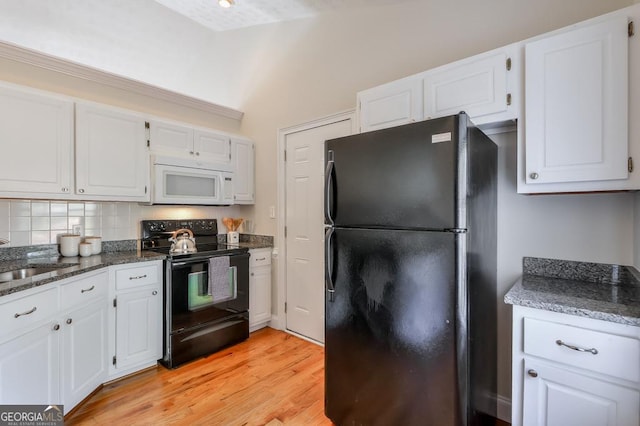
576	107
212	147
176	139
111	153
170	138
392	104
243	154
479	86
485	86
36	136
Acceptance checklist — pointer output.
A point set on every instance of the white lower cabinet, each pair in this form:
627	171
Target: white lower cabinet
84	351
58	341
569	370
30	367
136	317
55	347
259	288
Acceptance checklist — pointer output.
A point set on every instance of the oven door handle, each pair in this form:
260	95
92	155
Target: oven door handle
200	259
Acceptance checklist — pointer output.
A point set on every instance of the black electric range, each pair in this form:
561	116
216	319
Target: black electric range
156	234
197	320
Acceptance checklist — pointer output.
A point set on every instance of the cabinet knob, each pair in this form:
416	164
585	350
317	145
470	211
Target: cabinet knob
532	373
56	327
155	292
81	191
65	189
534	175
197	153
69	320
191	152
252	274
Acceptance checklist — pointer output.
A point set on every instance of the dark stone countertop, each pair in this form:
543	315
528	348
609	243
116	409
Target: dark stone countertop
77	265
114	253
594	290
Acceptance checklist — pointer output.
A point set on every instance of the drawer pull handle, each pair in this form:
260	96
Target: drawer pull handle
26	313
532	373
87	289
262	258
594	351
139	277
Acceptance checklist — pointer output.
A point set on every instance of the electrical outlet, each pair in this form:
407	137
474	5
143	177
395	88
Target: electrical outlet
77	229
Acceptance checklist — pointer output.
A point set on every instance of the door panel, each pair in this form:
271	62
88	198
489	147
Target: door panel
399	177
390	350
305	229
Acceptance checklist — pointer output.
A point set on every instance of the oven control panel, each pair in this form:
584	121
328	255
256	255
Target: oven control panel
199	227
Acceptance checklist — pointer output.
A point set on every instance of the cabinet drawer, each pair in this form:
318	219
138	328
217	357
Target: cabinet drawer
136	276
614	355
83	290
259	258
28	310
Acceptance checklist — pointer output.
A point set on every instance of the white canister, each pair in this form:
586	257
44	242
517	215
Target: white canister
69	244
85	249
96	244
233	237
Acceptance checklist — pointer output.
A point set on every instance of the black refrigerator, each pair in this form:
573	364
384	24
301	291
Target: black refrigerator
410	254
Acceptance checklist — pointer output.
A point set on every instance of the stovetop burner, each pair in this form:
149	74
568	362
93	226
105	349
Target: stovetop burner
156	234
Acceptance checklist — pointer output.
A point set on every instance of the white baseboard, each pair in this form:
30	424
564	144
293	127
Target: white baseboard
504	409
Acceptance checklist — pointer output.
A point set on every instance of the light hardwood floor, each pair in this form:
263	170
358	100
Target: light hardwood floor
271	379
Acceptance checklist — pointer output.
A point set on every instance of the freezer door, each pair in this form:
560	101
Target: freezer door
399	177
390	348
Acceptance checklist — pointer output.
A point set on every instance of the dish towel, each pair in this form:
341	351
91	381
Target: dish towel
219	283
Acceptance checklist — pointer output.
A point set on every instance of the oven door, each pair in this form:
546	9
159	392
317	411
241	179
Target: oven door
190	304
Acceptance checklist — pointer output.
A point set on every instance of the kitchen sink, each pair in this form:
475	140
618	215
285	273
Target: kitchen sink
18	274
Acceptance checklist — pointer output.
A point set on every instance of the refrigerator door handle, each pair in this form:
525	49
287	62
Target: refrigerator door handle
328	261
328	181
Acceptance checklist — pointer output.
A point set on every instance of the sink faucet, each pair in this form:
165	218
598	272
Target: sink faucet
3	241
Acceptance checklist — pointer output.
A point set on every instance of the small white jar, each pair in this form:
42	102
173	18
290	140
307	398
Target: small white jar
85	249
96	244
69	244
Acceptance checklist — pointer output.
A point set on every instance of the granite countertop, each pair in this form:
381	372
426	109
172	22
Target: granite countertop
114	253
594	290
77	265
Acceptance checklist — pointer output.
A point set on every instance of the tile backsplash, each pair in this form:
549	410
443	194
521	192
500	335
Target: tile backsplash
33	222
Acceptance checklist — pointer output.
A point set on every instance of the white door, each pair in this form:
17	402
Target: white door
84	364
392	104
137	327
304	195
557	397
111	153
576	105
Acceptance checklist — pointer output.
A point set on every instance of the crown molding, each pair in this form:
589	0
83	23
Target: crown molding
42	60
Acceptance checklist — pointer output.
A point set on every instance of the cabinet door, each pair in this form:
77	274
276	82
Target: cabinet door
30	368
477	86
111	154
138	327
259	295
392	104
243	173
36	136
557	397
84	352
170	139
576	105
212	147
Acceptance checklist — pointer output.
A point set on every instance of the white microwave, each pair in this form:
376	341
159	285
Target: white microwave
183	181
